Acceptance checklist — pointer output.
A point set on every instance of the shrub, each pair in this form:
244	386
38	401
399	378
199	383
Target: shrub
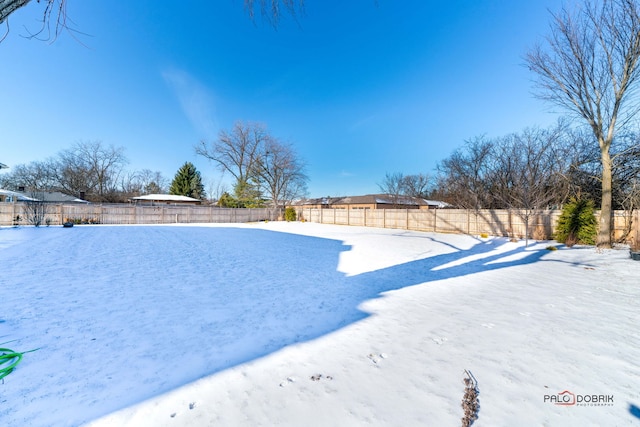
470	401
290	214
539	234
84	220
577	223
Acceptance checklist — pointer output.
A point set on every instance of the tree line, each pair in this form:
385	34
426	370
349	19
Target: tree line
266	171
537	169
91	170
528	171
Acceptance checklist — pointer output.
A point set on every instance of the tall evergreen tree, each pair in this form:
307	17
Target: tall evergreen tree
188	182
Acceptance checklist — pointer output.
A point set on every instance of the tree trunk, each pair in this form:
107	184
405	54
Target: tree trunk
604	229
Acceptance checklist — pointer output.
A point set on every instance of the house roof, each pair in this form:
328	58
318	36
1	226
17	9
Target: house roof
44	196
382	199
17	196
318	201
437	203
165	198
378	199
58	197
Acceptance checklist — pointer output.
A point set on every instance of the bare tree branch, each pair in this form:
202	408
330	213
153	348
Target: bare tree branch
272	10
591	69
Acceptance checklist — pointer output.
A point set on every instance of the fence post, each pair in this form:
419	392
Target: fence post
407	223
435	220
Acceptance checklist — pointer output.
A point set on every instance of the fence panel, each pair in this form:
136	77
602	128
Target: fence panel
541	225
14	214
538	225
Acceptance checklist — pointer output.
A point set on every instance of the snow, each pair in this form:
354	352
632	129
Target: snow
306	324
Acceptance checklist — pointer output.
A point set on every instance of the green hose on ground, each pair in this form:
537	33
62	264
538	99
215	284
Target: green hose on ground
9	359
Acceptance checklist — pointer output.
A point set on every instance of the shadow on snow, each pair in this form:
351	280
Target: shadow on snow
232	295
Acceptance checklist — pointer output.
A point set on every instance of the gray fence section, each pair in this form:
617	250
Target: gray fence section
57	214
509	223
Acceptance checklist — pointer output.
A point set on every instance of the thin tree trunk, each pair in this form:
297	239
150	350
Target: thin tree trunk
604	229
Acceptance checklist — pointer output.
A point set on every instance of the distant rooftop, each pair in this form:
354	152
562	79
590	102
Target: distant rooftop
42	196
165	198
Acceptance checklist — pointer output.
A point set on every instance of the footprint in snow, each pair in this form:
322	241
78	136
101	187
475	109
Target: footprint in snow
439	341
288	381
318	377
375	358
488	325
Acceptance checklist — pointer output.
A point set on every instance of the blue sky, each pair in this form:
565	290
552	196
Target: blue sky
359	89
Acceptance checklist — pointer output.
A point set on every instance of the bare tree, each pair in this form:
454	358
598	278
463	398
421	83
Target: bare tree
591	69
54	17
465	175
35	176
153	182
260	164
416	185
216	188
528	174
93	169
237	151
279	173
393	185
36	208
142	182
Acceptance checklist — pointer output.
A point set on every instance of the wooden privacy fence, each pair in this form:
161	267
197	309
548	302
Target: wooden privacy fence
57	214
509	223
493	222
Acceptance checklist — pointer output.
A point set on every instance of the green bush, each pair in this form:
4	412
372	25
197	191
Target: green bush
577	223
290	214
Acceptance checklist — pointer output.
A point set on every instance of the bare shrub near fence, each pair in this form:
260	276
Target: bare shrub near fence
35	212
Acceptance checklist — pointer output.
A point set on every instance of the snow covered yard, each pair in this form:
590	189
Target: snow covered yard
306	324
